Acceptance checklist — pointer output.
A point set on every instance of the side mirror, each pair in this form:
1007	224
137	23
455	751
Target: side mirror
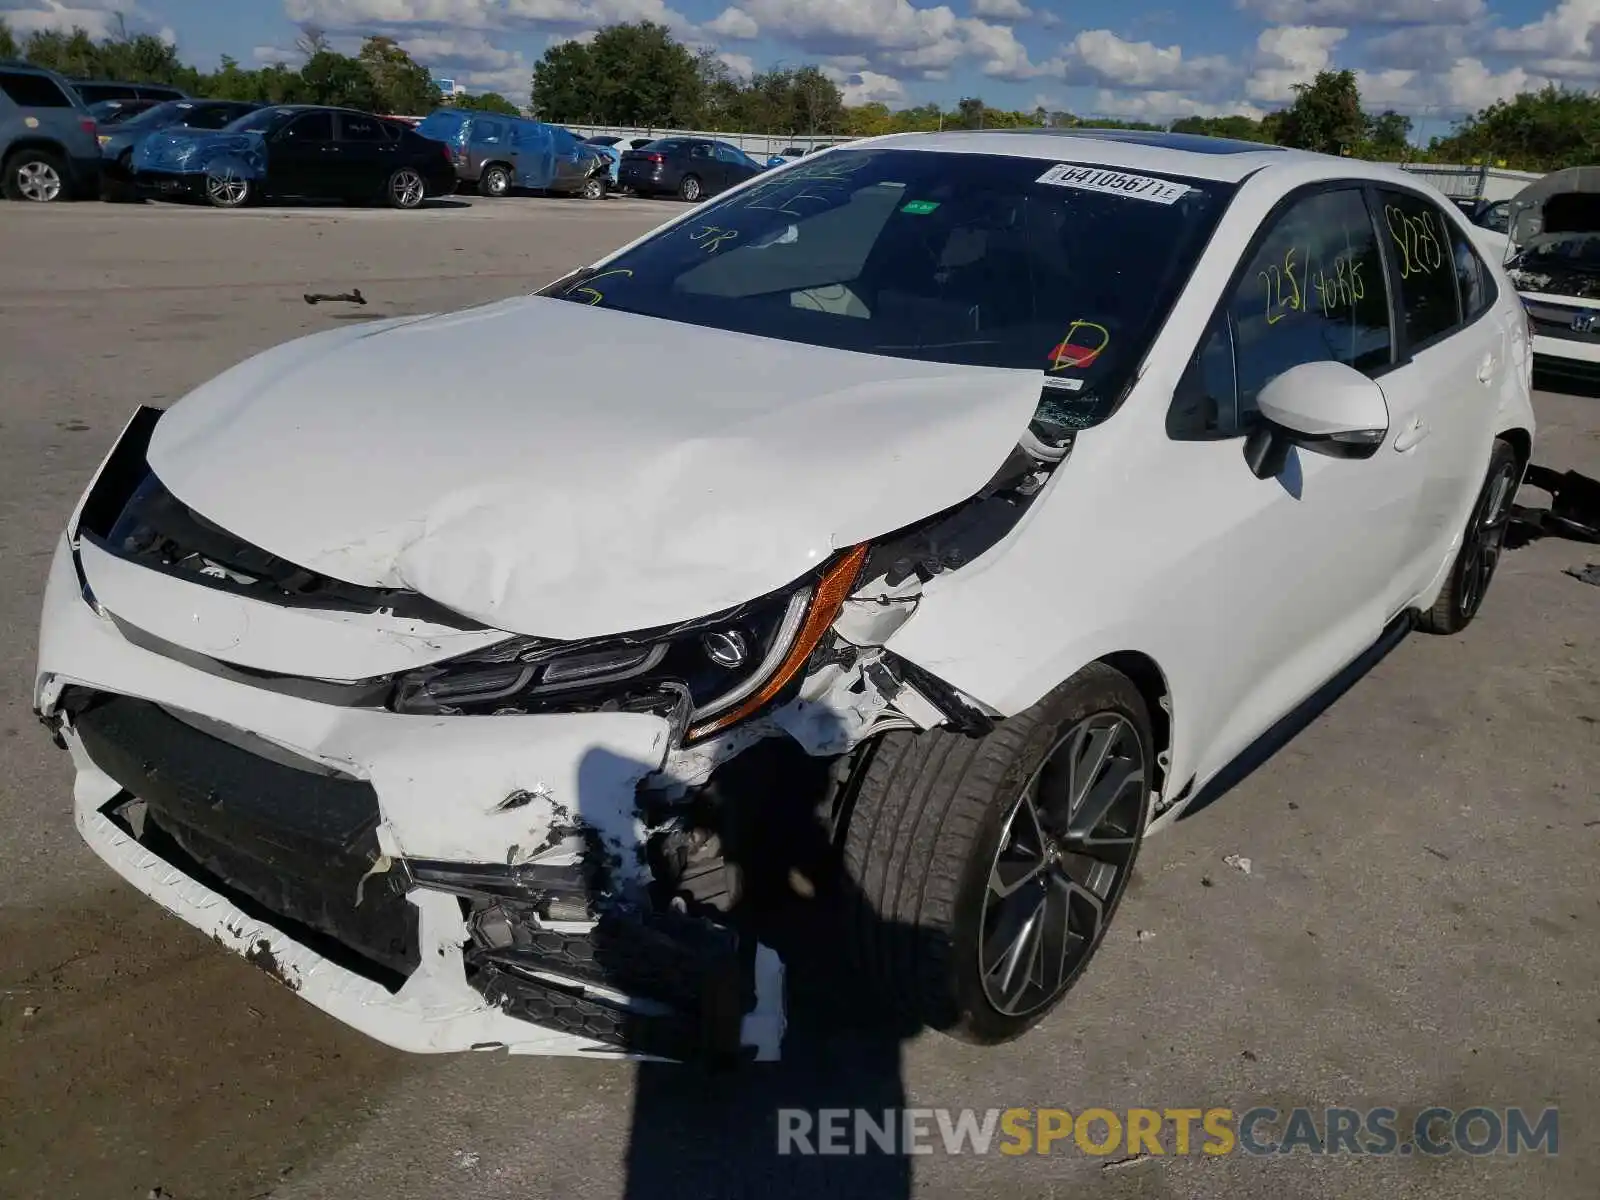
1326	407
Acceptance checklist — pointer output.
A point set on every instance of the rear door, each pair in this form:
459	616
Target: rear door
302	159
702	162
366	155
1444	387
735	166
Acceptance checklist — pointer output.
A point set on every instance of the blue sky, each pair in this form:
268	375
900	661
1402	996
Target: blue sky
1129	58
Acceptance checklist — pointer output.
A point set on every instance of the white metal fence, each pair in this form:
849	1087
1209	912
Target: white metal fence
757	145
1474	182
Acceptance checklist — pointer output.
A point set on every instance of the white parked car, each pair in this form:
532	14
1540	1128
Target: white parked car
1018	481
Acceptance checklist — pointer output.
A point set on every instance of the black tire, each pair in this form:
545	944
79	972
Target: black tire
594	188
1481	546
495	182
228	191
927	817
691	189
29	175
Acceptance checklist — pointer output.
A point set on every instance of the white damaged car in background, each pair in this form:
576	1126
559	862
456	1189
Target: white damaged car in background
1014	482
1554	262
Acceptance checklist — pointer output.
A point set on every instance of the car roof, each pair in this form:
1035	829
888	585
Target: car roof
1196	156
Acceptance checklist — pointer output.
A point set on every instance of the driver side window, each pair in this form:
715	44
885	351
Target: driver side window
312	127
1312	290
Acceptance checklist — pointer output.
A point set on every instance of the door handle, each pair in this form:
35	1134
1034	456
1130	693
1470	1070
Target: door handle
1409	437
1486	368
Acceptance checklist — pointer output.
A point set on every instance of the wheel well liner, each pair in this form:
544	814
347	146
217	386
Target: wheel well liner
1519	440
1145	675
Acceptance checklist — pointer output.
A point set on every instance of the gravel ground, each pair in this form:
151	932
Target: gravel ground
1420	924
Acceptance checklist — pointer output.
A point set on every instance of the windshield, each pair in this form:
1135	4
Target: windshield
961	258
260	121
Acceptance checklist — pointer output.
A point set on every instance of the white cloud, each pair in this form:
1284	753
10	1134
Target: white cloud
480	14
1287	55
734	23
1100	57
1160	107
866	87
1000	10
1562	34
741	66
1428	47
1465	86
1364	12
97	17
471	50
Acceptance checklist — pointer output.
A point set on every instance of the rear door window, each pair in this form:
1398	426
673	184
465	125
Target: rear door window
1418	236
360	129
33	91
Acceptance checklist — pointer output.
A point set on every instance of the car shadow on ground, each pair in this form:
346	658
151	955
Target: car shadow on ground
705	1130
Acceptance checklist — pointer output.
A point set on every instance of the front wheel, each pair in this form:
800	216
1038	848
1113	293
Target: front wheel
228	189
980	874
406	189
1481	546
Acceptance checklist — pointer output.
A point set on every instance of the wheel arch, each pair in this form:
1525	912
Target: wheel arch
1147	676
492	163
23	144
1521	441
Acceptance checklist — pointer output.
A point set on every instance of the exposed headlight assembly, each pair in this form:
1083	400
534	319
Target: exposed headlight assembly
729	666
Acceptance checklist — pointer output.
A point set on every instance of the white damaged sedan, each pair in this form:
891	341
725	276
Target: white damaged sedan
967	504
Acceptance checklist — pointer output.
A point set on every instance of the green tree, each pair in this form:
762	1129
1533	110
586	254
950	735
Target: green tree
632	74
562	79
8	44
1326	115
1537	131
401	84
488	102
969	113
1388	135
1238	127
333	78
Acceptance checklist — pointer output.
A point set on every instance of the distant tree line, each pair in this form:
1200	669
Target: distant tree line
638	74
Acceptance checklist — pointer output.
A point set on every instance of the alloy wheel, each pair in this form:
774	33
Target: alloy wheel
1065	856
691	189
1485	539
39	182
407	188
227	190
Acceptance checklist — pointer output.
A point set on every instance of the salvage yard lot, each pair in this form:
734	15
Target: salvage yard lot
1420	923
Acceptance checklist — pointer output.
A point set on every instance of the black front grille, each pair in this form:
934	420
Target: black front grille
292	846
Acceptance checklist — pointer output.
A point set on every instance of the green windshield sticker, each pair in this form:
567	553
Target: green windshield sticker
920	208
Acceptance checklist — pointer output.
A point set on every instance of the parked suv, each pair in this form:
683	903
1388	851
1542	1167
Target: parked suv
48	148
93	91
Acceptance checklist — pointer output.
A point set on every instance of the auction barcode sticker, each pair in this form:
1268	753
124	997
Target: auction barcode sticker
1115	183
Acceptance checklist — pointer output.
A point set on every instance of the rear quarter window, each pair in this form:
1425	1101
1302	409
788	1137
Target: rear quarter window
27	90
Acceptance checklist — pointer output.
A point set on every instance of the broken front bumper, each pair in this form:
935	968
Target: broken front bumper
360	856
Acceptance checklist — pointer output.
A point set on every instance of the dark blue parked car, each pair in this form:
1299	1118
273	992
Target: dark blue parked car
118	141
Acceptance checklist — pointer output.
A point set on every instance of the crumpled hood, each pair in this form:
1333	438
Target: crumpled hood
557	469
192	150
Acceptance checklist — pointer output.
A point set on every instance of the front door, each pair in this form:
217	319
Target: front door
1289	577
302	159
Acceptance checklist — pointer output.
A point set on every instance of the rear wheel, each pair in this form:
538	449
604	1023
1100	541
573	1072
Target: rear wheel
406	189
228	189
594	188
981	873
495	181
690	188
35	175
1481	546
